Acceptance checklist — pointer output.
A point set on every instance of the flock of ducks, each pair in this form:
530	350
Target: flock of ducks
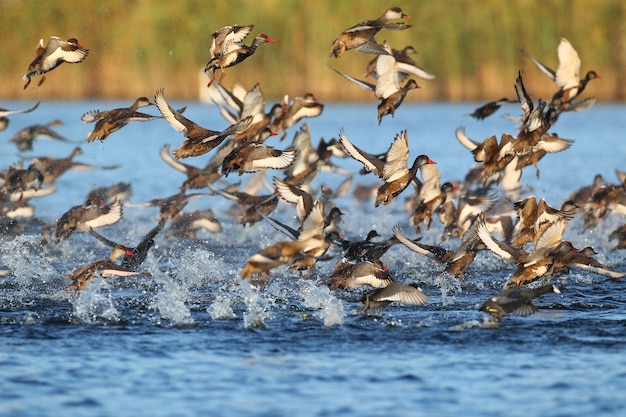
475	212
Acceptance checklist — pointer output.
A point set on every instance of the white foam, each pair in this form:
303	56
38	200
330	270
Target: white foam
449	285
221	309
23	257
256	307
170	301
94	303
330	308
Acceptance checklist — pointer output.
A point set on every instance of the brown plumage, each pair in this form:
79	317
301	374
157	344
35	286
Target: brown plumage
456	260
196	177
581	196
25	138
18	180
489	108
279	254
353	275
604	200
395	291
427	206
199	139
493	156
535	218
120	191
189	224
293	110
394	170
390	103
109	121
530	265
56	52
406	65
517	301
82	218
583	260
247	207
133	256
172	205
52	168
232	50
536	120
619	234
252	157
107	267
387	88
567	78
293	194
361	36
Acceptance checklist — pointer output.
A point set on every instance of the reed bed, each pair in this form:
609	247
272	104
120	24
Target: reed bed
473	47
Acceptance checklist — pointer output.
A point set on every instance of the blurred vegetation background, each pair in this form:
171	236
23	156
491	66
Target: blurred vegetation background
137	46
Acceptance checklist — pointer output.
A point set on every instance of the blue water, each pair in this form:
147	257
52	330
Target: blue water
193	340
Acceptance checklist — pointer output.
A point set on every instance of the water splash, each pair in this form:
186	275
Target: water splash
95	303
21	318
448	285
486	323
23	257
170	301
256	307
330	308
197	266
221	309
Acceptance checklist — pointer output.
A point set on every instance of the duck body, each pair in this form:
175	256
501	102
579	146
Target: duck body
567	78
456	260
517	301
487	109
133	256
247	207
387	88
56	52
188	224
353	275
25	138
228	48
278	254
5	113
17	180
252	157
107	267
361	35
530	266
395	291
82	218
393	169
52	168
110	121
200	140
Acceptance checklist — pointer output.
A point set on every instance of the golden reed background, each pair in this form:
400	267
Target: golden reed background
137	46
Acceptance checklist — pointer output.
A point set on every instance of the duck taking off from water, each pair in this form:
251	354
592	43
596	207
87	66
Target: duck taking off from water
103	268
516	300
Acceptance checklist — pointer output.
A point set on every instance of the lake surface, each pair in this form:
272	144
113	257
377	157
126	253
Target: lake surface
193	339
